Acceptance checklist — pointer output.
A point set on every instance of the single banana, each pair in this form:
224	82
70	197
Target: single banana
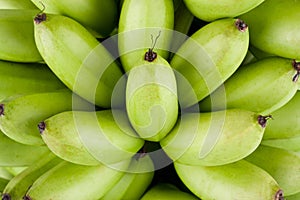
15	154
17	36
58	38
209	57
286	120
274	33
151	97
89	138
20	79
70	181
239	180
282	165
134	182
166	191
138	20
17	4
18	186
292	144
20	126
215	138
263	87
212	10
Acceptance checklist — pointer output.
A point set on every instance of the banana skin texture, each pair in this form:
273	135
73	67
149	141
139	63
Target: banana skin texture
17	4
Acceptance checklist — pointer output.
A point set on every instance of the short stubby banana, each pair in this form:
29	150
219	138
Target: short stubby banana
139	19
215	138
263	87
208	58
239	180
273	32
17	36
212	10
19	117
151	98
90	71
90	138
100	17
17	4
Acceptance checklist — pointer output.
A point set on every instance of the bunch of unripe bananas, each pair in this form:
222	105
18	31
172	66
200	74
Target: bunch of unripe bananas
149	99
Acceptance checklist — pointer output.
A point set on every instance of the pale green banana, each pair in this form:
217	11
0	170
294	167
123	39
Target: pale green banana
134	182
17	36
58	39
18	186
20	116
263	87
151	98
286	120
17	4
215	138
89	138
17	154
166	191
20	79
139	19
282	165
273	32
239	180
212	10
99	16
201	67
292	144
71	181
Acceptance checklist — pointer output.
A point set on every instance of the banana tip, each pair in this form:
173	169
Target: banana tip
279	195
6	196
40	18
1	109
262	120
42	127
296	66
241	25
26	197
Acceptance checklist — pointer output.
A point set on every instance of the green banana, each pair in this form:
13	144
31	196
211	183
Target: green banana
215	138
17	4
16	36
292	144
286	120
58	38
134	182
151	98
70	181
5	177
17	154
201	67
18	186
138	20
20	79
166	191
15	170
20	116
99	16
212	10
293	197
239	180
282	165
263	87
89	138
274	33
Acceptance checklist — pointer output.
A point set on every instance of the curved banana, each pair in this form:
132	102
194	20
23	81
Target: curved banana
70	181
16	154
20	79
151	97
17	36
215	138
17	4
239	180
18	186
58	38
98	16
139	20
200	67
134	182
212	10
291	144
263	87
286	120
166	191
273	33
282	165
88	138
19	125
